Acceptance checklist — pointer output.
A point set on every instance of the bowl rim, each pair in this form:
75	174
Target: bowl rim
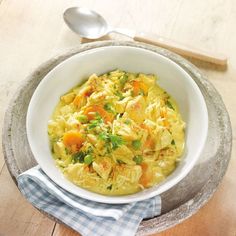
118	199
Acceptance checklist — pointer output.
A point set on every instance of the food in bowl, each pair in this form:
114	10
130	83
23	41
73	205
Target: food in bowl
117	133
172	77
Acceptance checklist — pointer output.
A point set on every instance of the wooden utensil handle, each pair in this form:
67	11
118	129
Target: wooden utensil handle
183	50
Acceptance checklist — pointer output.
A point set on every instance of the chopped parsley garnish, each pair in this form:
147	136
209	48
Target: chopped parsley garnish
108	107
97	115
173	142
94	123
138	159
111	140
123	79
83	157
136	144
103	136
78	157
169	105
119	94
116	141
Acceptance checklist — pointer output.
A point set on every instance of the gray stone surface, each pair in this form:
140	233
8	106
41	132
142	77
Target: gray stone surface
178	203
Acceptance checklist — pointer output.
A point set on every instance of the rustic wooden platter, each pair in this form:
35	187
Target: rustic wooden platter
181	201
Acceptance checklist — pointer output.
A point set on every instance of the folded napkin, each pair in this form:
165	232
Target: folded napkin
84	216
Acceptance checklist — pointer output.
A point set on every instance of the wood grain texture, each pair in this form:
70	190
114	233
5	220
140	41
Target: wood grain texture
32	31
17	216
182	49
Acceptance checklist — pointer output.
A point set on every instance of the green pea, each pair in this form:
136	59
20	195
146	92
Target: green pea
136	144
88	159
138	159
83	118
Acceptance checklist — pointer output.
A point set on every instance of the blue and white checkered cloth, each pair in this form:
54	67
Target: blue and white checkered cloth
84	216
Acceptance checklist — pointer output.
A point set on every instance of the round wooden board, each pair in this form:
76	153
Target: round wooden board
181	201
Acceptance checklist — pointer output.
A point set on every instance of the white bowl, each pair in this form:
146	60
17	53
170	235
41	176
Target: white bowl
70	72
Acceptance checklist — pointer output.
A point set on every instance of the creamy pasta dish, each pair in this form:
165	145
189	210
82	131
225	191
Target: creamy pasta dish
117	133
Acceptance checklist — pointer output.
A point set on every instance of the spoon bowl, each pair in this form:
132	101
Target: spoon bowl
87	23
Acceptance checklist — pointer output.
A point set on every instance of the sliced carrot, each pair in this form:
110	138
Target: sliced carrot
144	126
139	87
74	148
146	177
73	140
144	166
150	143
93	110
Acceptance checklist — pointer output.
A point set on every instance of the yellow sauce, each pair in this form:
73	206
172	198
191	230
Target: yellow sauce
117	134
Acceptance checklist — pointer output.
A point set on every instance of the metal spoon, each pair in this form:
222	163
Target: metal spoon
89	24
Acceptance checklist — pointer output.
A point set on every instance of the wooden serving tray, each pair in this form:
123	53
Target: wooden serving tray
178	203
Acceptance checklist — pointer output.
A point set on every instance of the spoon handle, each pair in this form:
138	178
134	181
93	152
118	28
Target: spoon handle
181	49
